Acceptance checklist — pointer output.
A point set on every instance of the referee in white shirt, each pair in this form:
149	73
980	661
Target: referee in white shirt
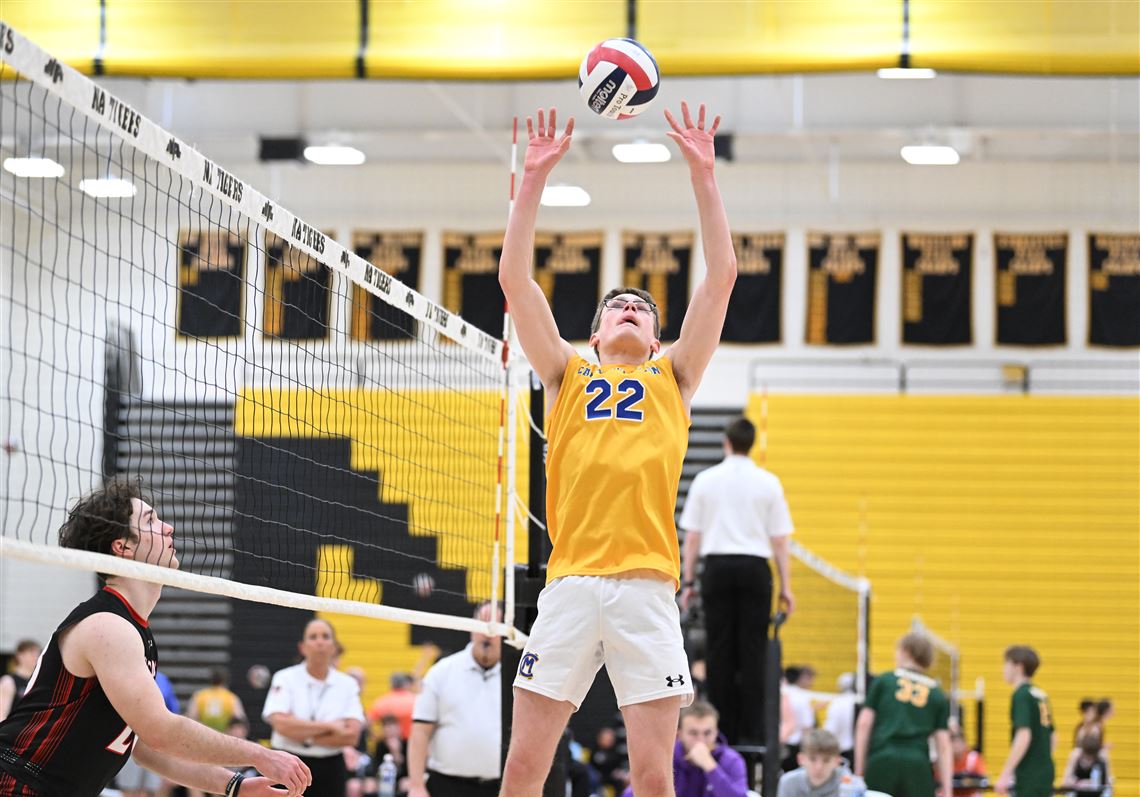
457	729
315	711
736	519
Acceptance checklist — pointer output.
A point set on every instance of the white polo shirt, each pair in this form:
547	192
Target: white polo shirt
464	701
737	506
294	691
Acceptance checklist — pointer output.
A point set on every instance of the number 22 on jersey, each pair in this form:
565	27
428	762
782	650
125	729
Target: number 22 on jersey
630	393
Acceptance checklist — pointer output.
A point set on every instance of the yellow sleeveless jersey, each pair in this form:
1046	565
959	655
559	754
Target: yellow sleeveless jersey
617	437
216	706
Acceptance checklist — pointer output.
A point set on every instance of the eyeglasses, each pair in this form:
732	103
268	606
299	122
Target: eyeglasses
621	304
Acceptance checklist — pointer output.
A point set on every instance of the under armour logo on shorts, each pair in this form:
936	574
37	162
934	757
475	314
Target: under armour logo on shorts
674	680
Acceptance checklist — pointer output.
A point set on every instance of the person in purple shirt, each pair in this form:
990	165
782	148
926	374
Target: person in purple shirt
703	763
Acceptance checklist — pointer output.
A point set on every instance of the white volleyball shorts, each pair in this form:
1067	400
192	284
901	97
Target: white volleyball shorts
631	625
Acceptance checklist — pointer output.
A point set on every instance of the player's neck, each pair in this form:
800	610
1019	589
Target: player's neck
141	596
1021	680
607	358
317	669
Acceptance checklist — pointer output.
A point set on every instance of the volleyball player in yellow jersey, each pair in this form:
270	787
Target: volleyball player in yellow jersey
617	432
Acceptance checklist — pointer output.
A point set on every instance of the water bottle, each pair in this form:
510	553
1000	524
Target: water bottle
1095	776
388	777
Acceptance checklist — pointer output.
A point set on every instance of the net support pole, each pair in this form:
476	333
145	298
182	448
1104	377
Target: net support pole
862	674
536	527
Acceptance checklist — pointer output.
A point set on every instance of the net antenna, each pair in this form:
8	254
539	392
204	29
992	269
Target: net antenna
321	435
830	627
947	667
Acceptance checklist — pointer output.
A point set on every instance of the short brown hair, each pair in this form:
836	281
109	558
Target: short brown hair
919	647
1024	656
101	517
741	434
819	742
699	709
639	293
28	644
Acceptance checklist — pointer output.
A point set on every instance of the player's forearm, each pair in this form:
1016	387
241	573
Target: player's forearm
1017	750
716	236
298	729
518	243
780	554
418	751
185	739
862	737
945	762
689	556
206	777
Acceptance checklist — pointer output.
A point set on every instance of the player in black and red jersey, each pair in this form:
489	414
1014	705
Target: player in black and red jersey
93	699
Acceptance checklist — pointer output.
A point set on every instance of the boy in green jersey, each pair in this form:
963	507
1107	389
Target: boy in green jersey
1030	762
904	709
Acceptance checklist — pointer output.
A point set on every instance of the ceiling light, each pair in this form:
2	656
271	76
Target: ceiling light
930	155
900	73
565	196
334	155
109	187
33	167
641	152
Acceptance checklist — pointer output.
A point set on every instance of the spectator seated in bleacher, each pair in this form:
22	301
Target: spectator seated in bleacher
821	768
1087	768
703	763
968	763
1088	720
609	762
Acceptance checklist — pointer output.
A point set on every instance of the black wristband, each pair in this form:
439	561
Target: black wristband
687	584
234	786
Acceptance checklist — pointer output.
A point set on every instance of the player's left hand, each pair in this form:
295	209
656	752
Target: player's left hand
787	601
695	142
700	755
1003	783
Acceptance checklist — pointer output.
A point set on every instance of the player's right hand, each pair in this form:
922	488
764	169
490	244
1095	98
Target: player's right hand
286	769
543	149
687	595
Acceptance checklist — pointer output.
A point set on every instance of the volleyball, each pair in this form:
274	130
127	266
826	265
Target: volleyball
618	79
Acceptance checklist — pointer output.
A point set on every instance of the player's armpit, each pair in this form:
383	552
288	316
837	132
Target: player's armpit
700	333
538	334
113	650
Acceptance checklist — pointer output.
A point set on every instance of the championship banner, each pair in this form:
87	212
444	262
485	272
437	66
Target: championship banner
1114	289
936	300
660	263
397	255
471	279
842	271
568	268
754	307
211	276
296	292
1030	288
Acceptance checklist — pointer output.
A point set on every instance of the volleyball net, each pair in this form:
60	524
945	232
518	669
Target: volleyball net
946	668
829	629
320	435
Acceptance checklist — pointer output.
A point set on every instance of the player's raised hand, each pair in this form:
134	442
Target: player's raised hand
695	141
544	147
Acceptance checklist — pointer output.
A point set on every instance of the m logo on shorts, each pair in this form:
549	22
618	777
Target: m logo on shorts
526	666
674	680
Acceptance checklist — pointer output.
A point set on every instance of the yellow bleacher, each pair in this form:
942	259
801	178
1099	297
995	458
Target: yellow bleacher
999	519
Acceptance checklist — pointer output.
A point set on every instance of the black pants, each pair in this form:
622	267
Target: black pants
440	785
329	776
736	597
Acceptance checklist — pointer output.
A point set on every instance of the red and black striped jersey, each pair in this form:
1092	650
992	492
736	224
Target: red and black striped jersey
64	738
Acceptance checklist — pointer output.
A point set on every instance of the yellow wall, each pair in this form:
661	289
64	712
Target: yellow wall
1000	520
524	39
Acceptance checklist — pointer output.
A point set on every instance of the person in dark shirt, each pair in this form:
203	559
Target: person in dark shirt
93	700
1030	761
13	684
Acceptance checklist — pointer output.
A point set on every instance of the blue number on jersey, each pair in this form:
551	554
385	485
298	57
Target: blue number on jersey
631	392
